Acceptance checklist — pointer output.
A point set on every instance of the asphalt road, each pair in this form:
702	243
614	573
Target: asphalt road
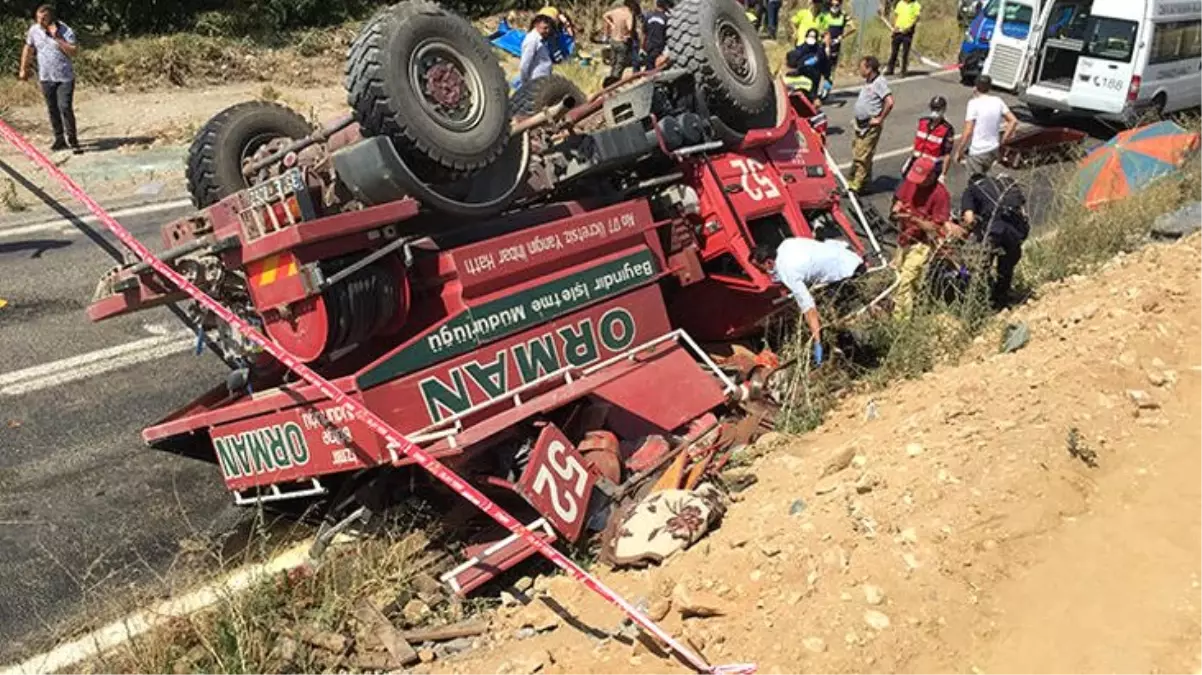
911	101
86	511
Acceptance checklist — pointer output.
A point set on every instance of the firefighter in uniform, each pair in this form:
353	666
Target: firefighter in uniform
935	139
838	26
808	69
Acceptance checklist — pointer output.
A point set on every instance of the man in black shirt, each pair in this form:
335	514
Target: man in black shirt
655	34
993	208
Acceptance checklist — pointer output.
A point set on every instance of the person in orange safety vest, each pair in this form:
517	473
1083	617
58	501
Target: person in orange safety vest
935	139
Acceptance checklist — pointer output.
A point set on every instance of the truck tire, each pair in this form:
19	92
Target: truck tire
214	169
714	40
532	97
425	78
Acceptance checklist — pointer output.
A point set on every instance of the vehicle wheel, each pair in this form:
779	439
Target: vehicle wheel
714	40
532	97
214	169
425	78
1158	105
1041	114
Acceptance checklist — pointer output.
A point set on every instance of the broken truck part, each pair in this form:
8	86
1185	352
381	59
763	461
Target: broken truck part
542	312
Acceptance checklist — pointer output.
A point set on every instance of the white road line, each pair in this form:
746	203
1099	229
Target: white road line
912	78
67	226
879	156
66	656
94	363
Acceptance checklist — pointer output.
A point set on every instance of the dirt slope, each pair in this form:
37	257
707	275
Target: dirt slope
959	534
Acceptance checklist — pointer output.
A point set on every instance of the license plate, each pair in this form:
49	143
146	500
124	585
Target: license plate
558	481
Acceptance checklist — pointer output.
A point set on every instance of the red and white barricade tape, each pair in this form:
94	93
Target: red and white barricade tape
374	422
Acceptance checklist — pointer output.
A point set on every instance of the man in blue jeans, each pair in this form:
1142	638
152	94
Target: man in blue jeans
767	12
54	44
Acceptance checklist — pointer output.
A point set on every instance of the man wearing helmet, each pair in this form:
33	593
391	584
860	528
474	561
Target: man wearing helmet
935	139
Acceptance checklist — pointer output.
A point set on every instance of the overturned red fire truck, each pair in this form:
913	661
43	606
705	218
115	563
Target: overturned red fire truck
542	290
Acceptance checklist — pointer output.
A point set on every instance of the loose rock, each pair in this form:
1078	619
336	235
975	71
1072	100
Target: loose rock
527	665
914	449
770	439
876	620
659	608
838	462
907	536
873	595
827	485
867	482
697	603
415	611
1142	399
815	645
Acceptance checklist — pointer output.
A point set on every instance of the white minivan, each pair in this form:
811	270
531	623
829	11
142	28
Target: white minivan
1113	59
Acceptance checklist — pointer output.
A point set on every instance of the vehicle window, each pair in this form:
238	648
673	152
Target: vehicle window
1110	39
1018	14
1176	41
1014	12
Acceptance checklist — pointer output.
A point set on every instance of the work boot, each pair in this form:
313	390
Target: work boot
59	144
75	147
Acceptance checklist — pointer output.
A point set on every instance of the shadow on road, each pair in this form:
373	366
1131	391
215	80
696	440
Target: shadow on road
66	213
113	143
38	246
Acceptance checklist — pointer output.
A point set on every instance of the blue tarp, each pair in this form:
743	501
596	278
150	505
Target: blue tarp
509	40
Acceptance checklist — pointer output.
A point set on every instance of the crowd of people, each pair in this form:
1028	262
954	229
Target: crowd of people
635	39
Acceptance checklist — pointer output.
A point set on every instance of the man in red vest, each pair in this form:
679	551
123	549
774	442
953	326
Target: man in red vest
935	139
922	209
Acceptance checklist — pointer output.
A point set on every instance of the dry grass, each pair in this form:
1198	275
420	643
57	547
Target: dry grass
1084	238
890	347
192	60
243	631
10	200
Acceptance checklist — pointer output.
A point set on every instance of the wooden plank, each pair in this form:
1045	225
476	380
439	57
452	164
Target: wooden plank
443	633
383	630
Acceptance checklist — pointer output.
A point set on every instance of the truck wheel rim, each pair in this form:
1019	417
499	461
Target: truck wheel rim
448	86
252	148
736	53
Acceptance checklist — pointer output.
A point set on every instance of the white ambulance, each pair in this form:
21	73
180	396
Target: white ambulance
1113	59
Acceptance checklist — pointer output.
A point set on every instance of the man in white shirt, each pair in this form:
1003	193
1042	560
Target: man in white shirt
800	262
536	51
983	129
